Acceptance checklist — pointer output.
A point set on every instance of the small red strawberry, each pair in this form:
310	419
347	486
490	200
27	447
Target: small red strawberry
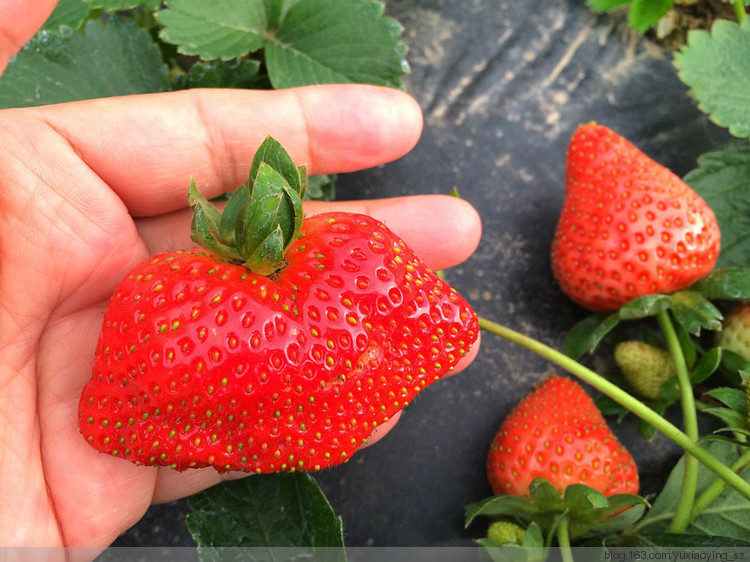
557	433
281	348
629	227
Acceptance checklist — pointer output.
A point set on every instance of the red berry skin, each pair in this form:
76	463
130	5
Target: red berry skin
556	432
629	227
203	363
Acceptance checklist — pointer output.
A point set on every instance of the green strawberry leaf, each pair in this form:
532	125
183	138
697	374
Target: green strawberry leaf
727	516
721	180
646	430
580	499
223	29
707	365
117	5
499	506
695	312
644	307
589	511
352	42
586	335
269	512
67	12
715	66
738	437
606	5
734	365
586	510
732	284
644	14
116	58
533	537
733	398
687	343
235	73
545	497
609	408
734	420
304	41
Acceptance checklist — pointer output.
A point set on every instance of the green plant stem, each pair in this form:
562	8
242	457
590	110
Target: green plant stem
690	419
563	540
718	486
623	398
739	10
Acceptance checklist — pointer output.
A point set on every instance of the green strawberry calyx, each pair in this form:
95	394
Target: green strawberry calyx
586	510
262	218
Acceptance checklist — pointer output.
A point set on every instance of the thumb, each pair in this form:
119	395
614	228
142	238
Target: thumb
19	20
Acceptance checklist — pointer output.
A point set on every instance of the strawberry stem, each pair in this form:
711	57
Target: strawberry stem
718	486
739	10
629	402
563	540
690	478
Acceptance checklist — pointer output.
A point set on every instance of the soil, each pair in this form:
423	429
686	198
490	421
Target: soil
686	15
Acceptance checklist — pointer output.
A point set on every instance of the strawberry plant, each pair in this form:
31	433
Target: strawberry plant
690	309
100	48
643	15
617	252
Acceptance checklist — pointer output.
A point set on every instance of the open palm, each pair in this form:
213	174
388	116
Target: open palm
88	190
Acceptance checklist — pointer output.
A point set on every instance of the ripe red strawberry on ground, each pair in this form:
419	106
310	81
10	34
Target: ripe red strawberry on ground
280	348
629	227
556	432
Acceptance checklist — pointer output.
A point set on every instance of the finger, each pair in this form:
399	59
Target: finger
443	231
20	20
146	148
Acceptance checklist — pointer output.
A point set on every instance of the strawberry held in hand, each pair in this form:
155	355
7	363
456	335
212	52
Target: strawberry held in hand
556	432
629	227
280	347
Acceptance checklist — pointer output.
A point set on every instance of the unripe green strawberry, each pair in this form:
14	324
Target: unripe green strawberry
502	532
735	333
645	367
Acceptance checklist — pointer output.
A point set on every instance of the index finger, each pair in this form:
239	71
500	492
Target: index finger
146	148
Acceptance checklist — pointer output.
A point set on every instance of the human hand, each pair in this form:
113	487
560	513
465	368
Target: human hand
89	190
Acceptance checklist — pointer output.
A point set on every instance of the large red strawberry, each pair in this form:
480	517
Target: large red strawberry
281	348
556	432
629	227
